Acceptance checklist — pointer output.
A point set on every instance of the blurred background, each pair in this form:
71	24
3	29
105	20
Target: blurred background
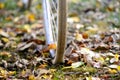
83	15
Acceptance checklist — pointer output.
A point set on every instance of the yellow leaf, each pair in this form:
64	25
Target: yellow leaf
2	5
91	31
52	70
74	1
23	72
75	19
98	4
11	73
31	17
78	37
39	6
46	77
12	34
5	54
116	57
89	78
5	40
118	68
3	73
9	18
113	71
102	26
107	59
73	14
31	77
27	27
101	59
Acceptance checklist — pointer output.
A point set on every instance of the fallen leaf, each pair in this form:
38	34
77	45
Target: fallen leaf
68	51
23	73
113	66
77	64
31	17
91	31
2	5
46	77
112	71
43	71
3	73
4	34
31	77
112	60
79	26
100	59
52	46
97	64
89	78
78	37
39	6
9	18
1	44
110	54
7	54
49	47
110	8
10	73
37	41
74	57
118	68
116	57
25	46
5	40
43	66
27	28
20	4
69	62
52	70
84	35
95	78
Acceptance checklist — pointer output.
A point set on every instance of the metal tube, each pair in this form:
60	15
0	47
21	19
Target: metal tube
47	23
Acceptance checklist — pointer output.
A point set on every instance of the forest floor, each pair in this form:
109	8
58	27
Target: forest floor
93	42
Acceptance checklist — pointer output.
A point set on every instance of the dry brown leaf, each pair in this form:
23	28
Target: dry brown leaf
43	66
25	46
85	35
68	51
37	41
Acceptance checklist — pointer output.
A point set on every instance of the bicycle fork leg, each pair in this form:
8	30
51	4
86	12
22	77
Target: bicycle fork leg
47	23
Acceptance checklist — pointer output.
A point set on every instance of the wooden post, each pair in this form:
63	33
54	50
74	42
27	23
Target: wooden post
29	4
62	28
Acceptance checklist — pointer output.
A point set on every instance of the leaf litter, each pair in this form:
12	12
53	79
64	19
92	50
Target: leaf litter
93	45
